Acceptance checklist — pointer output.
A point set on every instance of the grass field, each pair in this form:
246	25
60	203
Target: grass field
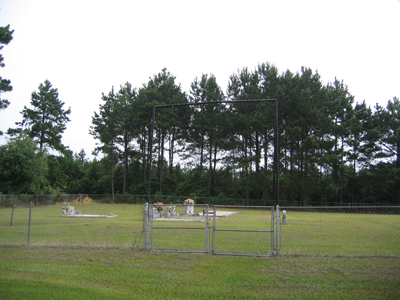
324	256
125	273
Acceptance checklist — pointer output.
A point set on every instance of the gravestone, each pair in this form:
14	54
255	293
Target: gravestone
170	212
155	213
284	218
71	211
189	209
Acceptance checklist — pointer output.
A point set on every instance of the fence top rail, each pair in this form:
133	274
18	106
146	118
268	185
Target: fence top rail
227	101
173	204
335	207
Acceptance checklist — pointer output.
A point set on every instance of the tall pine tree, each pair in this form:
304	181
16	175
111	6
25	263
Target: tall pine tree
46	121
5	84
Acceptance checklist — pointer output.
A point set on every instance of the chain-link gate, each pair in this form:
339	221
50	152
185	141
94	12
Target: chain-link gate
179	228
236	230
243	230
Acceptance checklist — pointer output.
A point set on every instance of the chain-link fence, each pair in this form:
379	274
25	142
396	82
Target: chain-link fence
76	224
179	228
243	230
354	231
350	231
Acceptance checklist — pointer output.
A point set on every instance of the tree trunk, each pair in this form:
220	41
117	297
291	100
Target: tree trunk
398	167
201	156
171	153
341	174
264	196
305	184
210	168
37	196
112	177
144	161
257	153
215	167
354	181
246	170
291	190
161	163
126	183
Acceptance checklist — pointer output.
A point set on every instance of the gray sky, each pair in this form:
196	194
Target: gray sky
85	47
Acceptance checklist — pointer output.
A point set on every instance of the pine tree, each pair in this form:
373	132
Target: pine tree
105	128
162	89
206	133
124	109
46	121
5	84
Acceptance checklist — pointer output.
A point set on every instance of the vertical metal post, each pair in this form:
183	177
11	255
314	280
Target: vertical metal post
272	231
213	232
277	150
151	227
207	232
278	230
146	225
29	224
151	154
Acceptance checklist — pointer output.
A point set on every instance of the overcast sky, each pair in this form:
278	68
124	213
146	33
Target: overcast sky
85	47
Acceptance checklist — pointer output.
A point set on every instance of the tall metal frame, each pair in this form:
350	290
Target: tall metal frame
276	146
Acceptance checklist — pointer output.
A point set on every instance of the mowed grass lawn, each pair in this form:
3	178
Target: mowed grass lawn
41	272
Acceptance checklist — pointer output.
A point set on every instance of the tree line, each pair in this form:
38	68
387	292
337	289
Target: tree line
331	150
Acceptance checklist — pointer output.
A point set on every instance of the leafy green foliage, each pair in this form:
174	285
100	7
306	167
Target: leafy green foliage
21	165
5	84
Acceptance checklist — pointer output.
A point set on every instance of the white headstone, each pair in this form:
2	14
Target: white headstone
71	210
189	209
284	218
155	213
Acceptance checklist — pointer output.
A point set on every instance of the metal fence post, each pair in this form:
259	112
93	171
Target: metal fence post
151	228
146	224
213	231
29	223
207	231
272	231
278	230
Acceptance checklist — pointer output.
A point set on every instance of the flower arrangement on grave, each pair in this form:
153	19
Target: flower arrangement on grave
64	209
189	201
159	206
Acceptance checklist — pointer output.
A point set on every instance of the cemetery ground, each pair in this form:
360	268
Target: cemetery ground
324	256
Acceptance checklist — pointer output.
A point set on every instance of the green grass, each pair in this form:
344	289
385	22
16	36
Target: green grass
125	273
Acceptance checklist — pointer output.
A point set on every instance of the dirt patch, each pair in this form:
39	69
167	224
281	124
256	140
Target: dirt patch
85	200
